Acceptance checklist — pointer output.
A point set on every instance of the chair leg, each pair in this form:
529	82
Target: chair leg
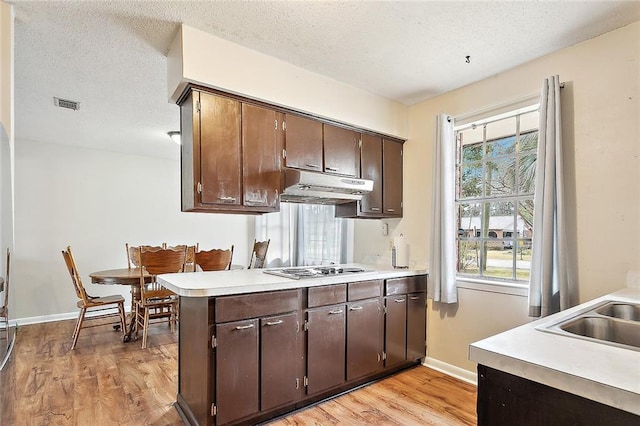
123	321
76	331
145	327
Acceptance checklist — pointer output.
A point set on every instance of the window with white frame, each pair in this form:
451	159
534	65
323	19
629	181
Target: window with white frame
495	180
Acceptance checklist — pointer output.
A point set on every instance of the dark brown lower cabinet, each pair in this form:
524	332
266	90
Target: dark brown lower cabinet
505	399
364	338
325	348
237	378
278	360
247	358
416	325
395	330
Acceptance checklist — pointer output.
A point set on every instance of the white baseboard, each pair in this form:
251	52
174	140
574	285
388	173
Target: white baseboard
54	317
457	372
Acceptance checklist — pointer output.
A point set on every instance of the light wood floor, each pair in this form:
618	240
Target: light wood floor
107	382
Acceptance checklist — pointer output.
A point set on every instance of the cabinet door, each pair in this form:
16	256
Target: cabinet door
279	360
237	364
220	167
341	151
392	178
371	159
396	330
416	325
303	142
325	348
364	338
260	157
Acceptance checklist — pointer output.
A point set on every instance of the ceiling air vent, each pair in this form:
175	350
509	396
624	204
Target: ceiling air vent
64	103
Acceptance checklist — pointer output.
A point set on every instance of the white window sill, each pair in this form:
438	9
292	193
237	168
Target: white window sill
515	289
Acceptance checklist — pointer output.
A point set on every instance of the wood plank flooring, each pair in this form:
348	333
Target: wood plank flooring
107	382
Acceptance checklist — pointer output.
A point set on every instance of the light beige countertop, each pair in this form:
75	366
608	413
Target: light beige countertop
593	370
224	283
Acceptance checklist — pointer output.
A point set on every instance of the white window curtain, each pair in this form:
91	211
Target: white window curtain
305	234
442	266
551	287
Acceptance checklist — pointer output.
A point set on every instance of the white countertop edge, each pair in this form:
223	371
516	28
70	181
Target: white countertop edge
226	283
595	371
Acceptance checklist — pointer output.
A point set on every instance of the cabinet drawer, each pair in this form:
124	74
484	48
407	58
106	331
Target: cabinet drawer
327	295
233	308
365	290
406	285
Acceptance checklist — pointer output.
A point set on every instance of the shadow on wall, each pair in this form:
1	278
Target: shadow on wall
446	310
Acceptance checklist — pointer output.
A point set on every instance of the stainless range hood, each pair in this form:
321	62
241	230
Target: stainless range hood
302	186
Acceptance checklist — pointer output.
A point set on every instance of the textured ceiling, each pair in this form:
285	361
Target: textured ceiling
111	56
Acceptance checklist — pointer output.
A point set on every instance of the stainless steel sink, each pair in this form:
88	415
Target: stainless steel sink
608	329
626	311
612	323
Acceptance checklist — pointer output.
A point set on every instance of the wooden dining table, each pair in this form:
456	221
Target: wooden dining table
123	276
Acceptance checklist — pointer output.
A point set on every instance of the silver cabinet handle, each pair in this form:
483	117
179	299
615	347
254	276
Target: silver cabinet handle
337	311
332	169
244	327
391	210
355	308
398	300
225	199
273	322
313	166
414	298
375	209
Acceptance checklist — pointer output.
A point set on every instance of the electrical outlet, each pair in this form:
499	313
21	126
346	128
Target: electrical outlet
384	229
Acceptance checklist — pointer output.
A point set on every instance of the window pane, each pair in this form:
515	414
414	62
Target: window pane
499	263
523	259
525	219
529	141
471	180
501	147
468	257
527	174
472	153
500	177
468	220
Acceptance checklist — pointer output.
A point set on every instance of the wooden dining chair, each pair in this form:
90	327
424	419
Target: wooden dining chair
157	302
189	263
258	254
133	258
4	309
88	303
214	260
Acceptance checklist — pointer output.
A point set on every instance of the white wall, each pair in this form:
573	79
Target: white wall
96	201
199	57
601	111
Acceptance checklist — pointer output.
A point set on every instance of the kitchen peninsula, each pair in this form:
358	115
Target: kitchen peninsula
537	374
253	345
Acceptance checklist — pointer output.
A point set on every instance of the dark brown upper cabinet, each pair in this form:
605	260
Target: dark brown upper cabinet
260	157
380	161
230	155
391	178
341	151
303	143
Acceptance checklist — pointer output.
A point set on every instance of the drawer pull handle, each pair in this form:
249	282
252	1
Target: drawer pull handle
391	210
375	209
398	300
313	166
227	199
332	169
244	327
414	298
337	311
273	322
355	308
